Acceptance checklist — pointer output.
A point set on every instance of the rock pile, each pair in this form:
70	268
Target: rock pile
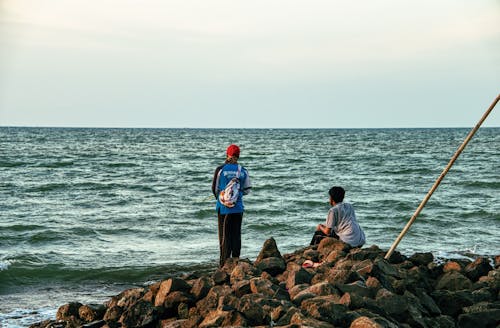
352	287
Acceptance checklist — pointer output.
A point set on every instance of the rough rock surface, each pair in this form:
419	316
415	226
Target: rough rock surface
350	287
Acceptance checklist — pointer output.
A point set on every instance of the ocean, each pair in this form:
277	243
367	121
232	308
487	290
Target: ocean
86	213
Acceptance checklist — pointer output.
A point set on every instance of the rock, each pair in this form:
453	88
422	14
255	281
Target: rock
480	267
422	258
451	266
244	271
249	305
94	324
336	276
451	302
126	298
325	308
272	265
68	312
270	249
287	317
170	285
299	276
453	281
91	312
112	315
220	277
352	301
173	300
328	245
140	314
268	289
365	322
300	320
358	288
353	287
242	288
201	287
364	268
211	301
360	254
485	318
427	302
311	254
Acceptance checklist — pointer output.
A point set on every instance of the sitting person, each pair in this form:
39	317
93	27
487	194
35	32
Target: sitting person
341	222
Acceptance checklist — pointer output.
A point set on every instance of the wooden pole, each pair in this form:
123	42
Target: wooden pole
438	181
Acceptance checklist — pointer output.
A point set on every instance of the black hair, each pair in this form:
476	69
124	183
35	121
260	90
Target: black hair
337	194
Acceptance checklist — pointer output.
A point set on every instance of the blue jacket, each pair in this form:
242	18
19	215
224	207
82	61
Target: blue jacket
223	174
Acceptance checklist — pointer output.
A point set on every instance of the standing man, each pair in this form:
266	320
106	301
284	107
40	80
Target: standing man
229	184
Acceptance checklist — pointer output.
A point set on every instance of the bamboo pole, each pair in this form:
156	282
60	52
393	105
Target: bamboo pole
438	181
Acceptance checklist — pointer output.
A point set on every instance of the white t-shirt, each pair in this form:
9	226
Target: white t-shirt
342	220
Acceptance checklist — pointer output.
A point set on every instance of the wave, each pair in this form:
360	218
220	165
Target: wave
94	186
12	164
19	275
4	265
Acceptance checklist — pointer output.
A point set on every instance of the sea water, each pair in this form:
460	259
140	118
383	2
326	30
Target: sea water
86	213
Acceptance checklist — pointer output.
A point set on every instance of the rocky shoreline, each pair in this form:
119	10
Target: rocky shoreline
327	285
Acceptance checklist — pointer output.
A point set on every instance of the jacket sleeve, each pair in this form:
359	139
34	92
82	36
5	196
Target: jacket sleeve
215	181
246	184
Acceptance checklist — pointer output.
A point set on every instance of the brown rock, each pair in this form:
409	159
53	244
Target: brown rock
480	267
325	308
311	254
363	268
91	312
357	287
299	276
211	301
451	266
270	249
324	288
112	315
300	320
361	254
244	271
250	306
352	301
241	288
272	265
68	312
287	317
126	298
336	276
201	287
140	314
170	285
262	286
328	245
365	322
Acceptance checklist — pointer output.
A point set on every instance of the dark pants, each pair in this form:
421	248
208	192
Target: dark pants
319	235
229	235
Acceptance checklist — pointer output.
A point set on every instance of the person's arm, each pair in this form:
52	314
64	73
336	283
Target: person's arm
329	223
324	229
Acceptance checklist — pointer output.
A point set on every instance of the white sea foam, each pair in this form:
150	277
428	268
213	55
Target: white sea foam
19	318
4	265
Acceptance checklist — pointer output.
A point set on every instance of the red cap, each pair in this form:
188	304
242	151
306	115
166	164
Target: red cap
233	150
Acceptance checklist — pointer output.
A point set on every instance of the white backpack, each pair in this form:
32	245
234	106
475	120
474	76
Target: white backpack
229	196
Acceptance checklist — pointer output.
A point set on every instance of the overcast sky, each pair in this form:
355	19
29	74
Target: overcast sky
249	64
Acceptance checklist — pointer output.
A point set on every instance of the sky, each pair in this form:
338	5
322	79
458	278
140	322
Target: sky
249	64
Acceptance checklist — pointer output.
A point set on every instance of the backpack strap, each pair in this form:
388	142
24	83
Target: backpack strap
239	171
